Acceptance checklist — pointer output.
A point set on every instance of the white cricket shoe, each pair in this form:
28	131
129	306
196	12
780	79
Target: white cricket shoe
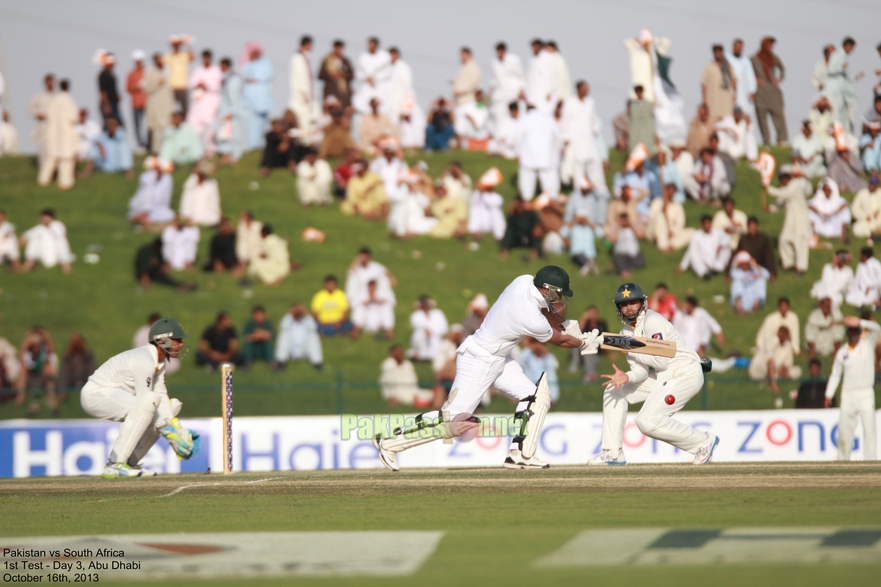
113	470
386	457
605	458
705	452
515	460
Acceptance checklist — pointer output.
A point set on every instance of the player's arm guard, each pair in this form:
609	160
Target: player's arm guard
180	439
592	341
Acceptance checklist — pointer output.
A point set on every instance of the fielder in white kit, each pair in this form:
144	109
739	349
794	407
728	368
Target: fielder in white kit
664	385
130	388
856	361
527	307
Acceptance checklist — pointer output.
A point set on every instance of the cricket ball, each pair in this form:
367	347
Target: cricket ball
670	400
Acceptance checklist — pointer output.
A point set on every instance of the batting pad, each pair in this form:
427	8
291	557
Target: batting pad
133	427
535	414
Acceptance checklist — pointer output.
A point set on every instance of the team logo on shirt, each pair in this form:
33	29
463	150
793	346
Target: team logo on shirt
845	357
658	336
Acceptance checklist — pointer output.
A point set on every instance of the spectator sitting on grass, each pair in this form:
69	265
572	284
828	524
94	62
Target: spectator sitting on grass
37	370
298	339
150	267
258	334
522	229
222	253
398	382
280	149
47	243
274	264
77	366
811	392
749	284
774	360
330	308
219	344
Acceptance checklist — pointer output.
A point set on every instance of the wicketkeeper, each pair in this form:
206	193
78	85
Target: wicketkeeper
130	388
664	385
527	307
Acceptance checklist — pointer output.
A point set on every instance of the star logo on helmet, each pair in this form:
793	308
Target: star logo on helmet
625	293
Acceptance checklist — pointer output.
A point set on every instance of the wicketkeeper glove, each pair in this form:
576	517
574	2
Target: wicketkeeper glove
592	341
180	439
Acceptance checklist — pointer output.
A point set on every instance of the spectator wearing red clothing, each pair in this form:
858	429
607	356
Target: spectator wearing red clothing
663	302
344	172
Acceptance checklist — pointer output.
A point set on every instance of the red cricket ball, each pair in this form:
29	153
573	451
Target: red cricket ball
670	400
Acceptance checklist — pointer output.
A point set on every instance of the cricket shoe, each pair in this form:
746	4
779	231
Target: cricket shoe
386	457
516	460
705	452
113	470
605	458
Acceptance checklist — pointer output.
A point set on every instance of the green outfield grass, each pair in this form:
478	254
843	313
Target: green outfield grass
104	302
496	524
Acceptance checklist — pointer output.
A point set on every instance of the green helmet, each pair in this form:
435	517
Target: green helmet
555	278
630	292
163	331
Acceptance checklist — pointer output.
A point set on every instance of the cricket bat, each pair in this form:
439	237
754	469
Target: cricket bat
639	345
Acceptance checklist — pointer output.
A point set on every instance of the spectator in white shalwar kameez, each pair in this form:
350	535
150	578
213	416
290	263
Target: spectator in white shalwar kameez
666	225
200	199
828	211
731	220
485	214
824	329
373	312
390	167
398	382
407	215
540	145
683	160
457	182
60	140
205	84
643	62
87	132
840	85
835	279
696	326
404	110
866	210
503	142
472	120
298	339
541	79
749	284
249	238
467	81
362	271
580	126
737	136
581	226
180	242
807	151
9	144
782	316
709	251
507	85
151	204
314	180
373	72
274	263
774	359
230	124
302	96
794	241
710	178
430	326
9	252
865	289
746	77
564	80
47	243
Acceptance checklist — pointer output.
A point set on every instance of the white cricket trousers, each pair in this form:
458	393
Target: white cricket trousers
528	176
140	428
857	403
655	419
476	372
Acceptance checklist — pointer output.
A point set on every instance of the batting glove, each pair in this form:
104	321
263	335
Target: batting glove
179	438
591	342
572	328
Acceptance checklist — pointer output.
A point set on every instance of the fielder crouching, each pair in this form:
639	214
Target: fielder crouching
527	307
664	385
130	388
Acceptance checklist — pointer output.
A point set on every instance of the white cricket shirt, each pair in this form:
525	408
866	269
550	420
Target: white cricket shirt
517	313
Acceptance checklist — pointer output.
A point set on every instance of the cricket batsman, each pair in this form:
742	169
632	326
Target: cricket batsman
856	362
529	306
130	388
664	385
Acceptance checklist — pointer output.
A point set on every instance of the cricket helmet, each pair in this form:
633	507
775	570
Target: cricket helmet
630	292
553	277
165	330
